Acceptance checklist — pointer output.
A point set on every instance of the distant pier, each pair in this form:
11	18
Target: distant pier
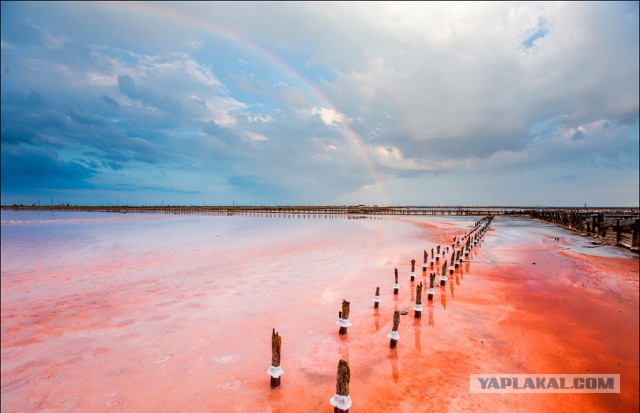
615	226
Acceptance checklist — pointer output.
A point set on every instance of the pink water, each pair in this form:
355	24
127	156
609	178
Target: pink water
163	313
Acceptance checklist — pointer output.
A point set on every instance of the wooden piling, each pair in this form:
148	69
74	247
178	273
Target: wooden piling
424	264
376	298
396	286
418	306
443	276
275	371
432	278
344	317
413	270
394	336
341	401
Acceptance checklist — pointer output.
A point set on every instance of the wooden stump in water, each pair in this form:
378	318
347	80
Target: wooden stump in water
396	286
432	278
418	306
424	264
413	269
341	401
275	371
443	276
344	317
394	336
376	298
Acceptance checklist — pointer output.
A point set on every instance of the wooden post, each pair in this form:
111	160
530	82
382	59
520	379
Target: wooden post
418	306
394	336
437	253
443	275
432	278
424	264
376	298
343	320
341	401
275	371
396	286
452	266
432	257
413	270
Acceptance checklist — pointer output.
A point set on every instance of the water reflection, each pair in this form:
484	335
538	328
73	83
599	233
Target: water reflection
393	359
431	322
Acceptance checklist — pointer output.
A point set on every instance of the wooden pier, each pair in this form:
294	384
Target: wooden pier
614	226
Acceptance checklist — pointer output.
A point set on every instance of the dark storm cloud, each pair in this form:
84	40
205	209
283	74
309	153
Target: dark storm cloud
31	168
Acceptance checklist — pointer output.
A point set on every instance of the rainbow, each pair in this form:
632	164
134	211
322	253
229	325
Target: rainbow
160	10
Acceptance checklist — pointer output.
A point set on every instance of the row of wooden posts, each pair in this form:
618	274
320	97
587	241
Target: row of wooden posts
461	249
622	229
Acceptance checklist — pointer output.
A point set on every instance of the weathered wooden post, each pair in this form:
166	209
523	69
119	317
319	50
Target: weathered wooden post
413	270
275	371
418	306
432	278
452	266
635	235
343	318
432	258
394	336
437	253
341	401
396	286
424	264
443	275
376	298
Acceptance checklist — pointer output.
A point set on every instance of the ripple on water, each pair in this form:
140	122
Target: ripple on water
226	359
233	384
14	385
113	400
162	359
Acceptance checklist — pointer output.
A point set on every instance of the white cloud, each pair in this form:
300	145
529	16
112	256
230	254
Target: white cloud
255	137
328	116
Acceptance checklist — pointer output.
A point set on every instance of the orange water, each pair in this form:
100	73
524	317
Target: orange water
175	315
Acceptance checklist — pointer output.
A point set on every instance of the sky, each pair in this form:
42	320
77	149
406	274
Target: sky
338	103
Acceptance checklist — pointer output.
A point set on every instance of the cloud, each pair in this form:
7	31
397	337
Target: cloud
329	116
446	89
128	87
35	169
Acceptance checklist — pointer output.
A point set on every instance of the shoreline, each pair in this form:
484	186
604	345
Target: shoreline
626	238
